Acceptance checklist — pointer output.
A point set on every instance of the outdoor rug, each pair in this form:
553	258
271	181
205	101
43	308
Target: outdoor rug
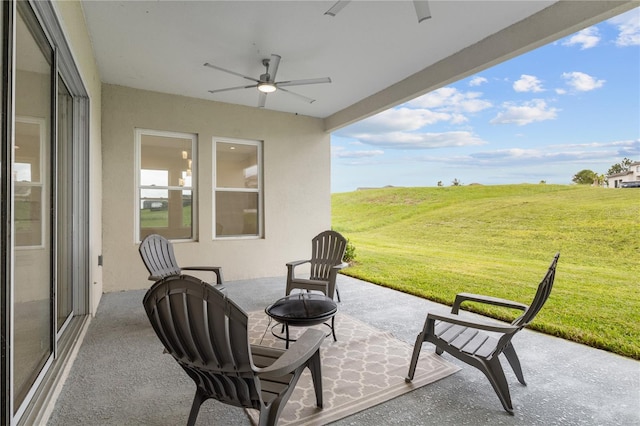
365	367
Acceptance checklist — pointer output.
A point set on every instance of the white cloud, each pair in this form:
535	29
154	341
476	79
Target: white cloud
528	83
525	113
399	128
629	28
443	105
405	140
623	148
556	154
561	91
396	119
586	39
477	81
582	82
449	99
357	154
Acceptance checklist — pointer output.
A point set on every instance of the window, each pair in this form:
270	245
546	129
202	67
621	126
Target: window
165	184
238	188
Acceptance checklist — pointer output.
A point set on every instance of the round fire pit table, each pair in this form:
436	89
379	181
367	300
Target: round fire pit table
302	310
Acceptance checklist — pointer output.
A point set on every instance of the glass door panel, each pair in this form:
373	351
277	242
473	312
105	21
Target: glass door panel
32	211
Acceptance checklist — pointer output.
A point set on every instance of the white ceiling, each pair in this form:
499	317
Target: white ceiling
368	47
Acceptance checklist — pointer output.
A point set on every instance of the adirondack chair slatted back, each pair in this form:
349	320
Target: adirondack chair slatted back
542	294
327	251
157	255
207	334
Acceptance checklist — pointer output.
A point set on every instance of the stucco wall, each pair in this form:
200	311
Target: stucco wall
297	199
72	20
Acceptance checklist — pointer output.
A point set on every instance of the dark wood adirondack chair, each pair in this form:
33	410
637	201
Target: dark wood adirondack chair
327	251
465	339
206	333
157	254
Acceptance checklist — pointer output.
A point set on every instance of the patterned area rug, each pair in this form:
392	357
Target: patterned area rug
363	368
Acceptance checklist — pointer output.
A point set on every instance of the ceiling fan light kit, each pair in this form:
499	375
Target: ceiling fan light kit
266	87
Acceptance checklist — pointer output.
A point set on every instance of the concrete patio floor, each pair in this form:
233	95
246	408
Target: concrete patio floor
567	383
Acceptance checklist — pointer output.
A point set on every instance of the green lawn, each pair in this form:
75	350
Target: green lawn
499	240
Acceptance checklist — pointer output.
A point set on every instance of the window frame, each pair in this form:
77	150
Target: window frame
139	132
258	190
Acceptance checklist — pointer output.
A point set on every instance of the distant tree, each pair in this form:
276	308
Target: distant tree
620	167
456	182
439	183
585	177
542	182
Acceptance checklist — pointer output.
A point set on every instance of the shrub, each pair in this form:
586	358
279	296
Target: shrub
350	252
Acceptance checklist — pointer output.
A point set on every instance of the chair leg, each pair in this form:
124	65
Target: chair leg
267	417
198	399
338	293
414	358
316	376
510	353
494	372
270	413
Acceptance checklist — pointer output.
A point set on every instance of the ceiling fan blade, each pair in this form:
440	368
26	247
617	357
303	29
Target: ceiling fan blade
215	67
280	84
337	7
232	88
274	62
262	100
309	100
422	9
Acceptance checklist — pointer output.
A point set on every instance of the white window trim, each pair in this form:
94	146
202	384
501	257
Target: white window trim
259	190
194	179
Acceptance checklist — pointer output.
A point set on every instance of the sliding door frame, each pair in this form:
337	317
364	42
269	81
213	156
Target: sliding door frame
44	15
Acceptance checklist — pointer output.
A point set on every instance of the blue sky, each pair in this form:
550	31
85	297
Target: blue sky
567	106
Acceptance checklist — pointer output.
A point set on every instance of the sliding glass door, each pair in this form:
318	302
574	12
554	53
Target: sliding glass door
44	274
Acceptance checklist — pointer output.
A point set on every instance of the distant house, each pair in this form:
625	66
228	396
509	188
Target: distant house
619	180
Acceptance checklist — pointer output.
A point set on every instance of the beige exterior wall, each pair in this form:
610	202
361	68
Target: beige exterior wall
297	194
72	20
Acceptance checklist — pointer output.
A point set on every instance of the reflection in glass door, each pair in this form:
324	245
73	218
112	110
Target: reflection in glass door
33	341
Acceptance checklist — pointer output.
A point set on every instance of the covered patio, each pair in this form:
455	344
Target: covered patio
106	92
118	379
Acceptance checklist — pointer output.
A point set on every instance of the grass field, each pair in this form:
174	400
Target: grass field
499	240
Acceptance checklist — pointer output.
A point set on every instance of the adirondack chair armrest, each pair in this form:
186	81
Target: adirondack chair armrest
469	297
217	270
297	354
291	266
333	273
478	325
154	278
340	266
297	263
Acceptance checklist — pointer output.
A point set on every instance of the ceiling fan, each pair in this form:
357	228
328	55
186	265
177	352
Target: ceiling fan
422	9
266	82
